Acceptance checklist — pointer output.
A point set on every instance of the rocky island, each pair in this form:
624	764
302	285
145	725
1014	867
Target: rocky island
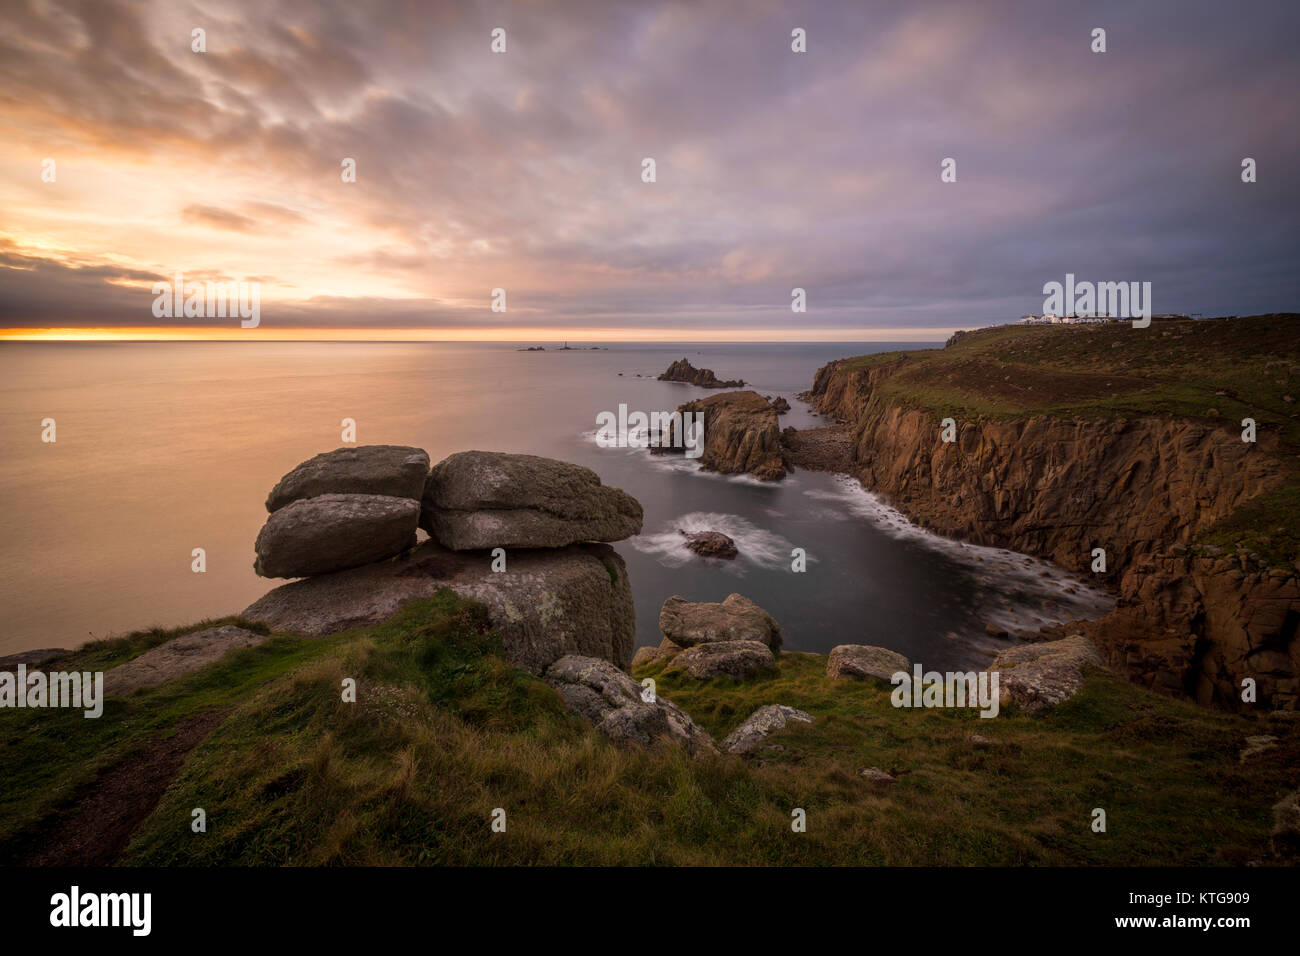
683	371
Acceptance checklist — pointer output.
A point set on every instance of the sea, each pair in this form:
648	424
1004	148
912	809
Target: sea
161	448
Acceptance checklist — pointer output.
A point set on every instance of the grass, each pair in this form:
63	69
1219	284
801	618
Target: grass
444	732
1216	371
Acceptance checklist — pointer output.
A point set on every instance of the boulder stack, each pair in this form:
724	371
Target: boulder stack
339	519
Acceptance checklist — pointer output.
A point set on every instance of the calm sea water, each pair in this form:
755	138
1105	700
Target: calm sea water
166	447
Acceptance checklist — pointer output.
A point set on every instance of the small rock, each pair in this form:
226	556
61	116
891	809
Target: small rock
33	658
860	661
737	618
979	740
177	657
760	724
1038	676
710	544
876	775
1286	825
1257	745
737	660
611	700
646	655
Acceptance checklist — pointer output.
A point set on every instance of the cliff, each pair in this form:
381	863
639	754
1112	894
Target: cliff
1060	448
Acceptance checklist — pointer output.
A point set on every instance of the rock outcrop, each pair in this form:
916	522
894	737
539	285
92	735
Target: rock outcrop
684	371
734	660
1035	677
1142	488
711	544
548	603
334	532
741	435
560	593
760	725
395	471
478	499
178	657
613	703
737	618
860	661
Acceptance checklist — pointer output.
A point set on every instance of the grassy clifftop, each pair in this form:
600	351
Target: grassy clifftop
1217	371
444	732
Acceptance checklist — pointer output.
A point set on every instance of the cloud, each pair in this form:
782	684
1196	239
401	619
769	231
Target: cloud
820	170
218	218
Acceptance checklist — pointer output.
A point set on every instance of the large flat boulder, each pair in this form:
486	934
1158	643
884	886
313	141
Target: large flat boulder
575	600
178	657
687	623
334	532
735	660
860	661
482	499
760	725
1035	677
612	702
396	471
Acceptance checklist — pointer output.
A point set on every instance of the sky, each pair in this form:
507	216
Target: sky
523	170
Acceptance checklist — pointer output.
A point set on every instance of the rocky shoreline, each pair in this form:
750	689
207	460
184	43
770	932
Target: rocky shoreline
1188	623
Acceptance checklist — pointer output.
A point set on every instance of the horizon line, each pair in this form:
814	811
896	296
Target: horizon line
504	336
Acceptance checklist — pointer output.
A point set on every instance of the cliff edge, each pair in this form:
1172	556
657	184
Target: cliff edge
1058	441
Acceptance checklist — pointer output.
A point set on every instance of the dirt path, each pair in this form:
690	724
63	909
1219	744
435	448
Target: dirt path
98	826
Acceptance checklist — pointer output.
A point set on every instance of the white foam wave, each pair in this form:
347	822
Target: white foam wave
1016	592
756	546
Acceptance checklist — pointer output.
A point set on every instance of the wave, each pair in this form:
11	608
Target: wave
757	546
1014	592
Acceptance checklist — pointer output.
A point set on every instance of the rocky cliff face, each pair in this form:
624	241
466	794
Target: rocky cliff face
741	435
1059	488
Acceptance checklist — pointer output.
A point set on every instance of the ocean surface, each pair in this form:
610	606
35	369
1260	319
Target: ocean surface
166	447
